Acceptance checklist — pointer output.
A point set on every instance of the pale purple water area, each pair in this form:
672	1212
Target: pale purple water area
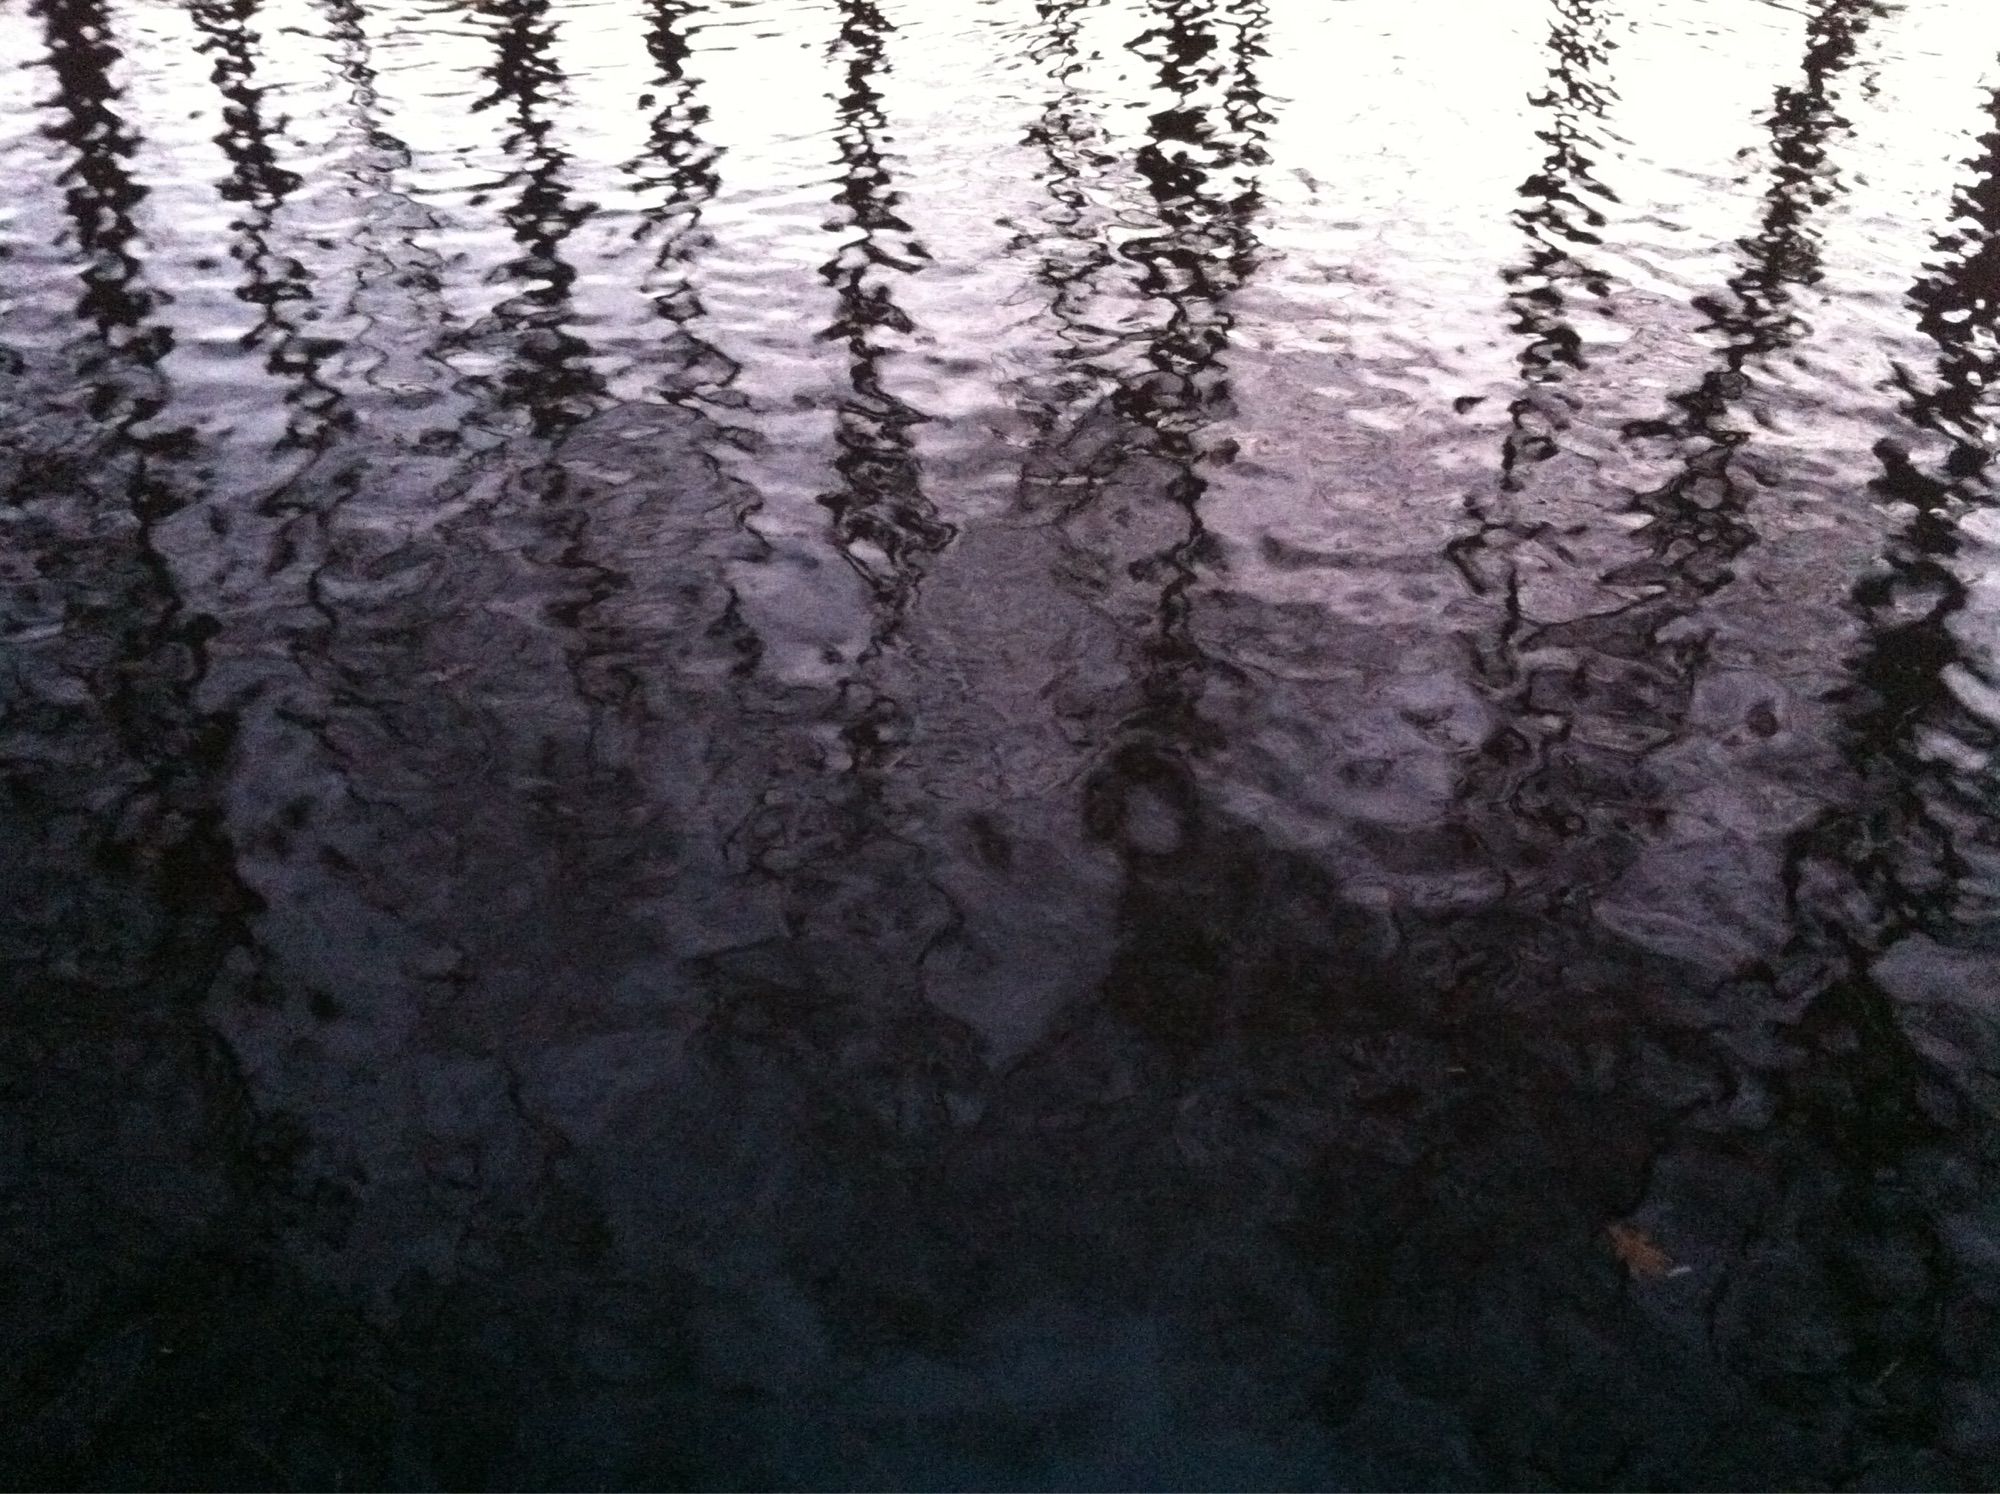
999	744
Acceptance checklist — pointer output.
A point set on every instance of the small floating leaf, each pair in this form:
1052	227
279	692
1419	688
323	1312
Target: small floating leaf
1639	1254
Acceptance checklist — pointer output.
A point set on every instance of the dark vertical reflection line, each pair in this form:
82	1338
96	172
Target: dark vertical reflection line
278	284
1615	685
142	653
1700	518
697	377
885	523
100	193
390	303
1198	169
1904	674
550	379
123	918
1901	861
256	180
1072	253
349	21
1897	870
386	216
681	162
1557	217
122	355
1189	267
860	905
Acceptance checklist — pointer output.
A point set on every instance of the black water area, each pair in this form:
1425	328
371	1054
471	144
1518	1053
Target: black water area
999	743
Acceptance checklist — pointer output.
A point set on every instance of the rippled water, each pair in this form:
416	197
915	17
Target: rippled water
999	742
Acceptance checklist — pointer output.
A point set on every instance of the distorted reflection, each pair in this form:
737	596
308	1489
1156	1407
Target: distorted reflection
1892	888
1560	215
681	165
1593	696
885	523
1198	167
999	743
551	379
276	283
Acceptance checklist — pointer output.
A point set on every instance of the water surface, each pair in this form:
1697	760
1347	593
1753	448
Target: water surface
999	743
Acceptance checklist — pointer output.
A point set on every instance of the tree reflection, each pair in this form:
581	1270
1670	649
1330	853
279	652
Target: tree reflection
389	222
885	524
1199	166
1917	854
100	192
1892	892
1615	685
549	377
681	165
1073	255
278	284
124	916
1700	520
138	647
1559	218
1916	732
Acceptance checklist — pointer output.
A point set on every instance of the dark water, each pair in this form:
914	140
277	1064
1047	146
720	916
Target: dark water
999	742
